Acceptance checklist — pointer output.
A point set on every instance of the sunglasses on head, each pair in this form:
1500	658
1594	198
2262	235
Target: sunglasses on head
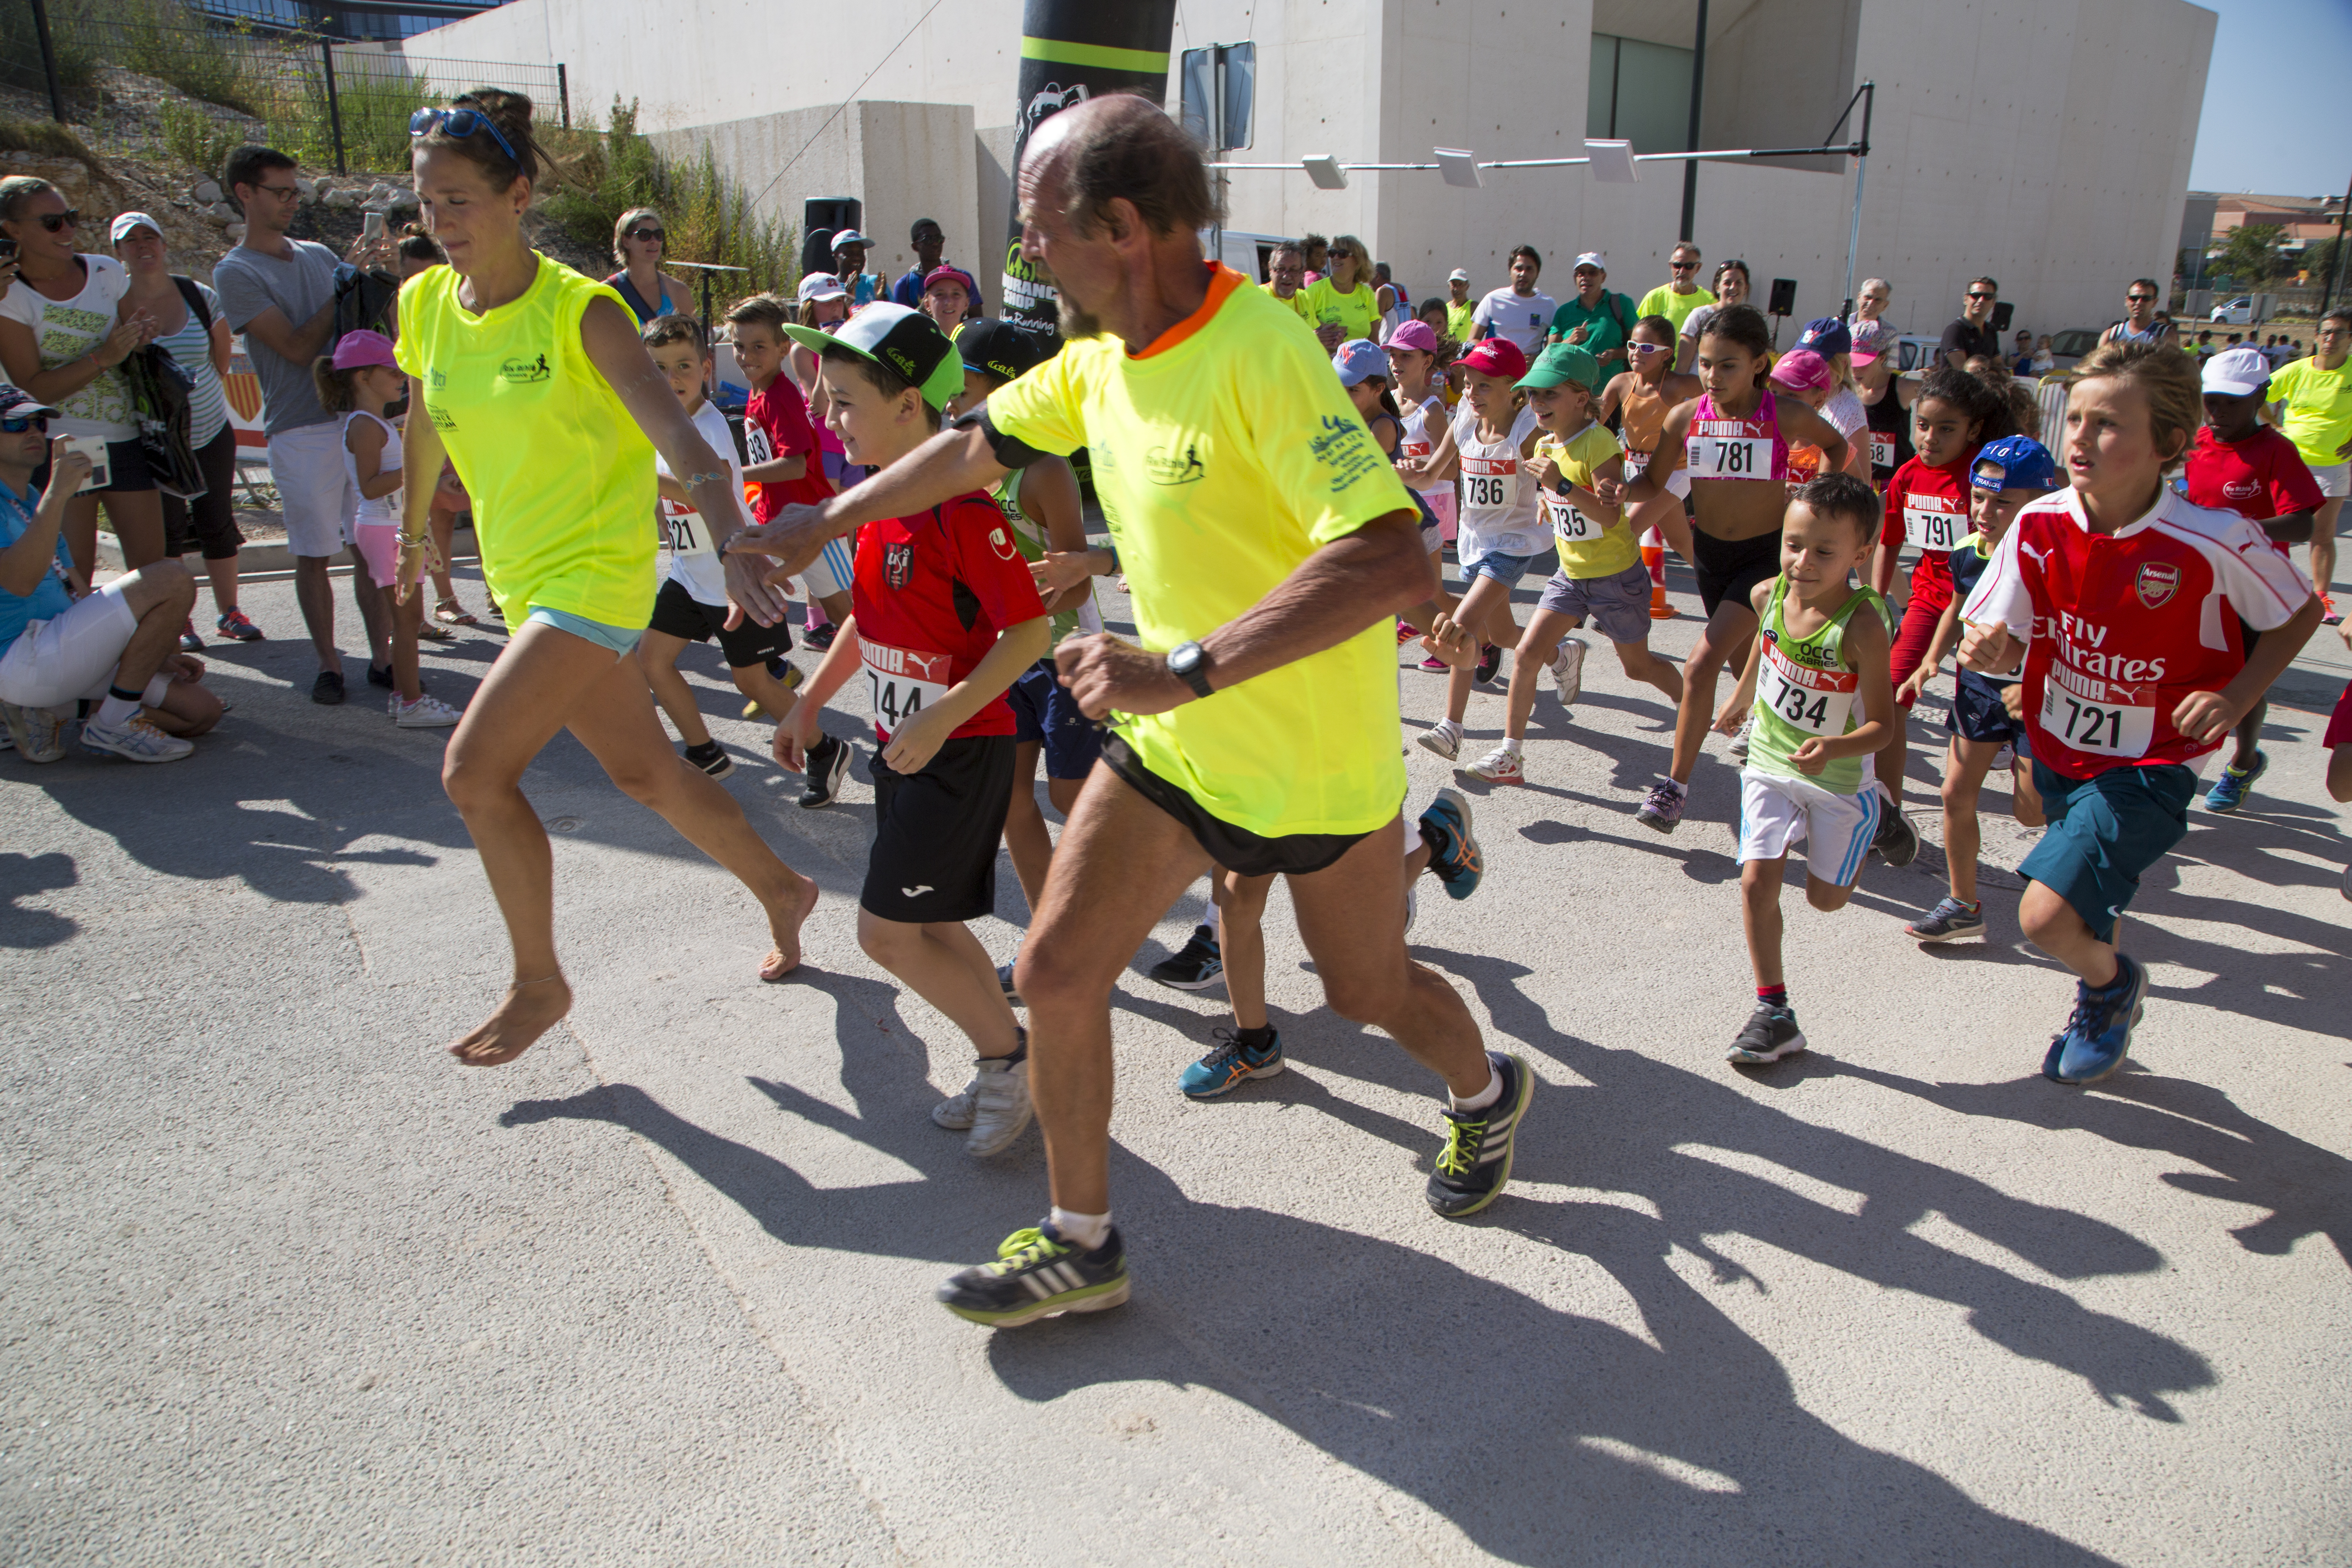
17	423
645	234
58	222
459	123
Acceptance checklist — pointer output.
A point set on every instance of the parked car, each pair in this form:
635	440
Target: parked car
2237	312
2067	348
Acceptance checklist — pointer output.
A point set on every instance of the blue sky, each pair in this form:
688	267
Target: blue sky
2278	119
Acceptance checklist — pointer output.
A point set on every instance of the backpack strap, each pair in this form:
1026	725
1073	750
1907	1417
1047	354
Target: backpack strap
195	299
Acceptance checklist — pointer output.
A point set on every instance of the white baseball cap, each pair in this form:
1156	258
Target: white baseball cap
1594	259
1457	276
822	286
129	222
2237	372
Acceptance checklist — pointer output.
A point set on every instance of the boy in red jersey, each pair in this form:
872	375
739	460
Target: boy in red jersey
2240	464
2122	601
943	618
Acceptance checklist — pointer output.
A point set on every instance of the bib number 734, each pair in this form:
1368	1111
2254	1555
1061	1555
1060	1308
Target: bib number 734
1817	702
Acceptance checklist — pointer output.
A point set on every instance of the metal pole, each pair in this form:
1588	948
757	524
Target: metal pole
1861	167
334	107
49	60
563	91
1698	88
2334	272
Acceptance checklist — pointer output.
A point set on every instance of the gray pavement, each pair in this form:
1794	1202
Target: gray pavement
282	1283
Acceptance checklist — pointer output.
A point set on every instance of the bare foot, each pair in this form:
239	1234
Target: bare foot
527	1010
784	925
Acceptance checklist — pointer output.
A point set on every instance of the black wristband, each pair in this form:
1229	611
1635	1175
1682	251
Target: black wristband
1010	450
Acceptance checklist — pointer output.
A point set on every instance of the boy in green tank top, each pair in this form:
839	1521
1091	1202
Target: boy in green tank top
1817	679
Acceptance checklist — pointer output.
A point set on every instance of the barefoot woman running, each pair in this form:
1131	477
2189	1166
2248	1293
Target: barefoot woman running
1733	440
539	392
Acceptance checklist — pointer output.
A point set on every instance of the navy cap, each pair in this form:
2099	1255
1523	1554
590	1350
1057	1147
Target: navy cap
1826	336
999	348
15	402
2014	463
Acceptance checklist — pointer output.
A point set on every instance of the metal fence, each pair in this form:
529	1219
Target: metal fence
154	79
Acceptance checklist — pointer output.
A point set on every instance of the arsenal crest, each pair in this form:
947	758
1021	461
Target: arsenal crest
898	564
2157	581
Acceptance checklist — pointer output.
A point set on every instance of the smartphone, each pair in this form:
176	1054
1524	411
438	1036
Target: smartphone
372	227
95	445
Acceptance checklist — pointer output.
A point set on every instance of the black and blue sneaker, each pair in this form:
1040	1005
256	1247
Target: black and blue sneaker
1453	853
2096	1040
1038	1275
1195	966
2229	790
1471	1169
1232	1063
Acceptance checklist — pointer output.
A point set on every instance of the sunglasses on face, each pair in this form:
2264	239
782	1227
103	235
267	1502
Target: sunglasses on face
1974	294
2140	298
56	223
17	423
459	123
1646	348
647	234
1684	266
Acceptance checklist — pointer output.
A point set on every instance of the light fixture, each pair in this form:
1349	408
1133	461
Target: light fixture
1613	161
1325	170
1460	167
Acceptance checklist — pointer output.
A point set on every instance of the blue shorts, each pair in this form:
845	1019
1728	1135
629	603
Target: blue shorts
2103	832
1044	713
1505	569
1978	714
620	639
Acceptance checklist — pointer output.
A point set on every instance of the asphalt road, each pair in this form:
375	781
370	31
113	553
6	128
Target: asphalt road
283	1284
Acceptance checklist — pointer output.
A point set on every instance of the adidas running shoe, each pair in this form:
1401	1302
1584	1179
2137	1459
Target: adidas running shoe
1231	1065
1568	668
1663	807
1502	765
2098	1036
1769	1034
1454	857
1471	1169
1949	922
1195	966
2229	790
1038	1275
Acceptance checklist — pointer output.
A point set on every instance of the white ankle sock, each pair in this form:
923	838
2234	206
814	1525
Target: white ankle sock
1484	1096
1511	743
114	713
1084	1231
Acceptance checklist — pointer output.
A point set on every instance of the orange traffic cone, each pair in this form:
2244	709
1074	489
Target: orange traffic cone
1653	556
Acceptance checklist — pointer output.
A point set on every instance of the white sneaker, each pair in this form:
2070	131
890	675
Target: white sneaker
1739	739
956	1111
1000	1108
1568	668
425	713
1443	739
137	740
1500	765
35	731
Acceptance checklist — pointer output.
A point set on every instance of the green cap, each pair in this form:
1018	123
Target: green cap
1564	363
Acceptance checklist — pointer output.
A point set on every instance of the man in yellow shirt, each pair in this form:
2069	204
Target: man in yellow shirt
1269	545
1676	300
1460	308
2311	402
1288	264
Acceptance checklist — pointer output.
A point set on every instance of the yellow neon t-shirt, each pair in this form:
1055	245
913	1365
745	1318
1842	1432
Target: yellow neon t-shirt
2318	415
1296	304
560	477
1663	301
1223	455
1592	544
1357	313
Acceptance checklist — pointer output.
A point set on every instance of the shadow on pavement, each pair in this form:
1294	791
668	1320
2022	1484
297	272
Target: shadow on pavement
26	876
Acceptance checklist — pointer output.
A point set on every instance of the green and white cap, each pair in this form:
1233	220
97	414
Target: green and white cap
908	342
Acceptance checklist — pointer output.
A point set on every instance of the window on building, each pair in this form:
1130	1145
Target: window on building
1641	93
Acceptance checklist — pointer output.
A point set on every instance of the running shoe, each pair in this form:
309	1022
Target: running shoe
1769	1034
1470	1171
1490	659
828	764
1502	765
789	673
1442	738
1038	1275
1434	665
1949	922
2098	1036
1568	668
1897	841
711	758
1000	1111
35	731
819	637
1453	854
1225	1069
136	739
2229	790
2329	617
1005	981
237	627
328	688
189	641
1663	807
379	674
1195	966
1740	737
2005	759
1406	632
425	714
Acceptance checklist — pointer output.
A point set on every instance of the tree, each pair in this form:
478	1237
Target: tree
2250	255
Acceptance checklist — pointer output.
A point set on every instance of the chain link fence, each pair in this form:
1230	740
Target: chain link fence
157	78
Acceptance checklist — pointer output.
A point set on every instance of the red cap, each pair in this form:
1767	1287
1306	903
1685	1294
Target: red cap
1496	356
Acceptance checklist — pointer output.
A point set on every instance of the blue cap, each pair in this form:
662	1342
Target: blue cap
2014	463
1360	359
1826	336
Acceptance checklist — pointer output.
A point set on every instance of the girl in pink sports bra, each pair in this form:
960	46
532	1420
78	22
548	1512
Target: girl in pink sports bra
1733	441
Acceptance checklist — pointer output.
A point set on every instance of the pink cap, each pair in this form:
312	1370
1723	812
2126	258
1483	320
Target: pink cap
1414	334
357	351
957	275
1496	356
1805	370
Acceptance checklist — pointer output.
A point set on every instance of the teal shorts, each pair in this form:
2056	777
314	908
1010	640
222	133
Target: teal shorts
2103	832
620	639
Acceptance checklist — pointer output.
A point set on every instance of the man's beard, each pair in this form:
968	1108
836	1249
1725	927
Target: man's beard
1074	322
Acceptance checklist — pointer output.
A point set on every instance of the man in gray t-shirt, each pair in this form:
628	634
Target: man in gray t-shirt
280	293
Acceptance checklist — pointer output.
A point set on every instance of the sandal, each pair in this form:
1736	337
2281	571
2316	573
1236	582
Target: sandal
450	613
431	632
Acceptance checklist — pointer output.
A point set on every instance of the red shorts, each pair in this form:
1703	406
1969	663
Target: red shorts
2340	723
1911	639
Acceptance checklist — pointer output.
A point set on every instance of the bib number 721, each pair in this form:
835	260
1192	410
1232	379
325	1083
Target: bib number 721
2103	727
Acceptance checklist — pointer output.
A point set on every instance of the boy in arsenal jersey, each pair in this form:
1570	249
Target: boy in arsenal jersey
944	616
2122	601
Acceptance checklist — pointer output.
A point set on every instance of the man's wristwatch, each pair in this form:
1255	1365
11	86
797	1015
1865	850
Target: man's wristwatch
1187	663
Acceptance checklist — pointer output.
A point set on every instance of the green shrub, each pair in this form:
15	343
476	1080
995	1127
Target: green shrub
199	140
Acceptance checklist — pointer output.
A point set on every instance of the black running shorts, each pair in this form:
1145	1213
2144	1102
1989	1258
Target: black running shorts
678	613
1235	849
1730	568
936	832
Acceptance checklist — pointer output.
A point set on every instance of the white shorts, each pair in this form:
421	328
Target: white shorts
1776	813
73	656
315	493
2335	480
833	569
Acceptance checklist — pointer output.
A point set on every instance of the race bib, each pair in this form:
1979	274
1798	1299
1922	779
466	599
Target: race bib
1817	702
682	527
2080	710
1882	450
1729	456
902	683
1571	526
1486	481
1927	524
1635	463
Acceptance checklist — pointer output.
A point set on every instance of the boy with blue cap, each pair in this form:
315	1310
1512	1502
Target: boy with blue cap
1984	722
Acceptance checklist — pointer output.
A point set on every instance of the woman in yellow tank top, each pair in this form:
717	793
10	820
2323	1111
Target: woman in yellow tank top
532	378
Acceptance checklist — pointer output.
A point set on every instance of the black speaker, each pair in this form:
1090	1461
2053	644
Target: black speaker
821	217
2001	313
1784	297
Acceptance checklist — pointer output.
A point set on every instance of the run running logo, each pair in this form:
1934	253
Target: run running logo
523	372
1165	469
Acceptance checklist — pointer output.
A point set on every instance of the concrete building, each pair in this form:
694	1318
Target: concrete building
2045	143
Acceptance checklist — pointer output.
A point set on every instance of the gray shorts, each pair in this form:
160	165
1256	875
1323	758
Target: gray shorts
1616	606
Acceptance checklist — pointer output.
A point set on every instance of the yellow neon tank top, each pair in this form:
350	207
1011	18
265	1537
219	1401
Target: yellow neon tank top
562	477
